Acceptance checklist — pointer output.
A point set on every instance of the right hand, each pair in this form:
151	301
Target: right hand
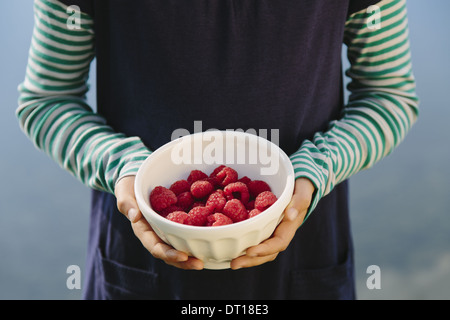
126	203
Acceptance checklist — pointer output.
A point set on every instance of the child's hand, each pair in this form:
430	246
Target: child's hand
264	252
126	203
295	213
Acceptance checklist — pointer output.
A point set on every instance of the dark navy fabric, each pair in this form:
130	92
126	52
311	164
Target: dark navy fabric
260	64
318	264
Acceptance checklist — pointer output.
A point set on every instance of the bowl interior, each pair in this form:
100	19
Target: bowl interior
248	154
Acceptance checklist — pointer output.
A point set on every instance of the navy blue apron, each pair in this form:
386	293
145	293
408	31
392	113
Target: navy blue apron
260	64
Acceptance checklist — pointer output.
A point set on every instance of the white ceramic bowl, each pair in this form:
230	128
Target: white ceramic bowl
249	155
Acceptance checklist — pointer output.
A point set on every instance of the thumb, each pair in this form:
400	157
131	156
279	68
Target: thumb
126	201
301	199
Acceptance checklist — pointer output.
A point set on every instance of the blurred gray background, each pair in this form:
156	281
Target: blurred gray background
400	208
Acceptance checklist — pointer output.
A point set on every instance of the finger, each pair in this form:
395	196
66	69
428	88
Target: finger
154	244
190	264
126	201
160	250
280	239
301	199
129	208
246	262
294	216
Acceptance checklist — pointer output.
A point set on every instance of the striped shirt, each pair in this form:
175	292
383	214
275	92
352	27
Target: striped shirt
54	114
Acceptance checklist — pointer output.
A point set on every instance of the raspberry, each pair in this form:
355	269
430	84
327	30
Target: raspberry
196	175
250	205
198	203
185	200
178	216
217	170
161	198
201	189
213	177
264	200
218	219
216	201
170	209
245	180
213	180
235	210
253	212
237	190
226	176
197	216
180	186
255	187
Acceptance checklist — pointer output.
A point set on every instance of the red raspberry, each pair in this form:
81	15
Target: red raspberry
170	209
196	175
255	187
214	182
218	219
216	201
198	204
178	216
245	180
226	176
180	186
213	176
197	216
185	200
201	189
235	210
250	205
264	200
253	212
237	190
161	198
217	170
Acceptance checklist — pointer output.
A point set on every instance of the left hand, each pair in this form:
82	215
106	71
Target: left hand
294	215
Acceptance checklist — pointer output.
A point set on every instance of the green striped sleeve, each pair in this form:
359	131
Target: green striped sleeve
53	111
382	106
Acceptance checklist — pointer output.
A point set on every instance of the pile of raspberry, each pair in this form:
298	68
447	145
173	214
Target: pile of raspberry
217	199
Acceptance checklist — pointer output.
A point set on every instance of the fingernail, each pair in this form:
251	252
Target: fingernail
251	254
199	266
172	254
132	213
292	213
